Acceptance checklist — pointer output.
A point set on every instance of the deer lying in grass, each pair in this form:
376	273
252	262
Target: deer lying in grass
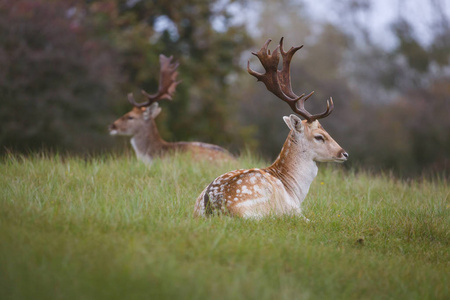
280	188
140	124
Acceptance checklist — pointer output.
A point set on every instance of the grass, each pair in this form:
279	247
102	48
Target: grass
111	228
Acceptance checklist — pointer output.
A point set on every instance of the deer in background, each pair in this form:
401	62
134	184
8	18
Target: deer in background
280	188
140	124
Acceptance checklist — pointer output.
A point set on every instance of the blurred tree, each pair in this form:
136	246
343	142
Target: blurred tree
55	79
429	126
416	56
402	123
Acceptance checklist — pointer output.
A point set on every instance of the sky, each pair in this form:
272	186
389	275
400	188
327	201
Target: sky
378	19
384	12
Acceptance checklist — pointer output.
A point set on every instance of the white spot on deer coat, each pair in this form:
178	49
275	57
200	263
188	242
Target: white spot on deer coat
252	202
245	190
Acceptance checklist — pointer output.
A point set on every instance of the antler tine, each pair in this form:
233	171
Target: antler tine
167	83
270	77
269	62
285	73
132	101
279	81
330	107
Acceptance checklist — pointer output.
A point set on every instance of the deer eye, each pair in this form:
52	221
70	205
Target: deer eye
319	138
130	118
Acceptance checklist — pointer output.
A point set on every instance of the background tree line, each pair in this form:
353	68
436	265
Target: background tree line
66	67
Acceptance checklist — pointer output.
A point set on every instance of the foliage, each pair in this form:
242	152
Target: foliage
403	89
55	78
109	227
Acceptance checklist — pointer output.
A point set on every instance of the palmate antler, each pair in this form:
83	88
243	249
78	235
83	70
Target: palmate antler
167	83
279	81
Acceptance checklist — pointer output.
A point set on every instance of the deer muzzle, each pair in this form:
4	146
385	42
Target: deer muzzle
342	155
112	129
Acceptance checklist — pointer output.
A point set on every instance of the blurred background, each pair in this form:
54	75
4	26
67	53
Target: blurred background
66	67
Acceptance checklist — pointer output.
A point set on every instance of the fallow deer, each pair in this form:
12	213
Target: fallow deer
140	124
280	188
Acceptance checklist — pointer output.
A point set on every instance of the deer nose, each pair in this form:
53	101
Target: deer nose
345	154
112	127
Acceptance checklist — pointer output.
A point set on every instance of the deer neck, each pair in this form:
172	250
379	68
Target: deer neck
294	167
147	142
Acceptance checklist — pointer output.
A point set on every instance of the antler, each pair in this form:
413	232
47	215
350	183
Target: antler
167	83
279	82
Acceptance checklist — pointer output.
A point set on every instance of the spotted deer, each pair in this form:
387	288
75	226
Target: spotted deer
140	124
280	188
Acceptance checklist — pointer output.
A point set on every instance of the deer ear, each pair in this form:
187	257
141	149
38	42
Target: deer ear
152	111
294	123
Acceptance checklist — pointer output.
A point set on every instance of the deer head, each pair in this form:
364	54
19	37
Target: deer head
135	120
309	133
143	114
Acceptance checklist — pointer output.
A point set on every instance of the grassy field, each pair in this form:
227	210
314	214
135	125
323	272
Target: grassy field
111	228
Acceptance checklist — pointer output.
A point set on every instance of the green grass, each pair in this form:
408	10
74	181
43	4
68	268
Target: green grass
111	228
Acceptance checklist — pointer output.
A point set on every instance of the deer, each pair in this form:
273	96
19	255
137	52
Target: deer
140	125
280	188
